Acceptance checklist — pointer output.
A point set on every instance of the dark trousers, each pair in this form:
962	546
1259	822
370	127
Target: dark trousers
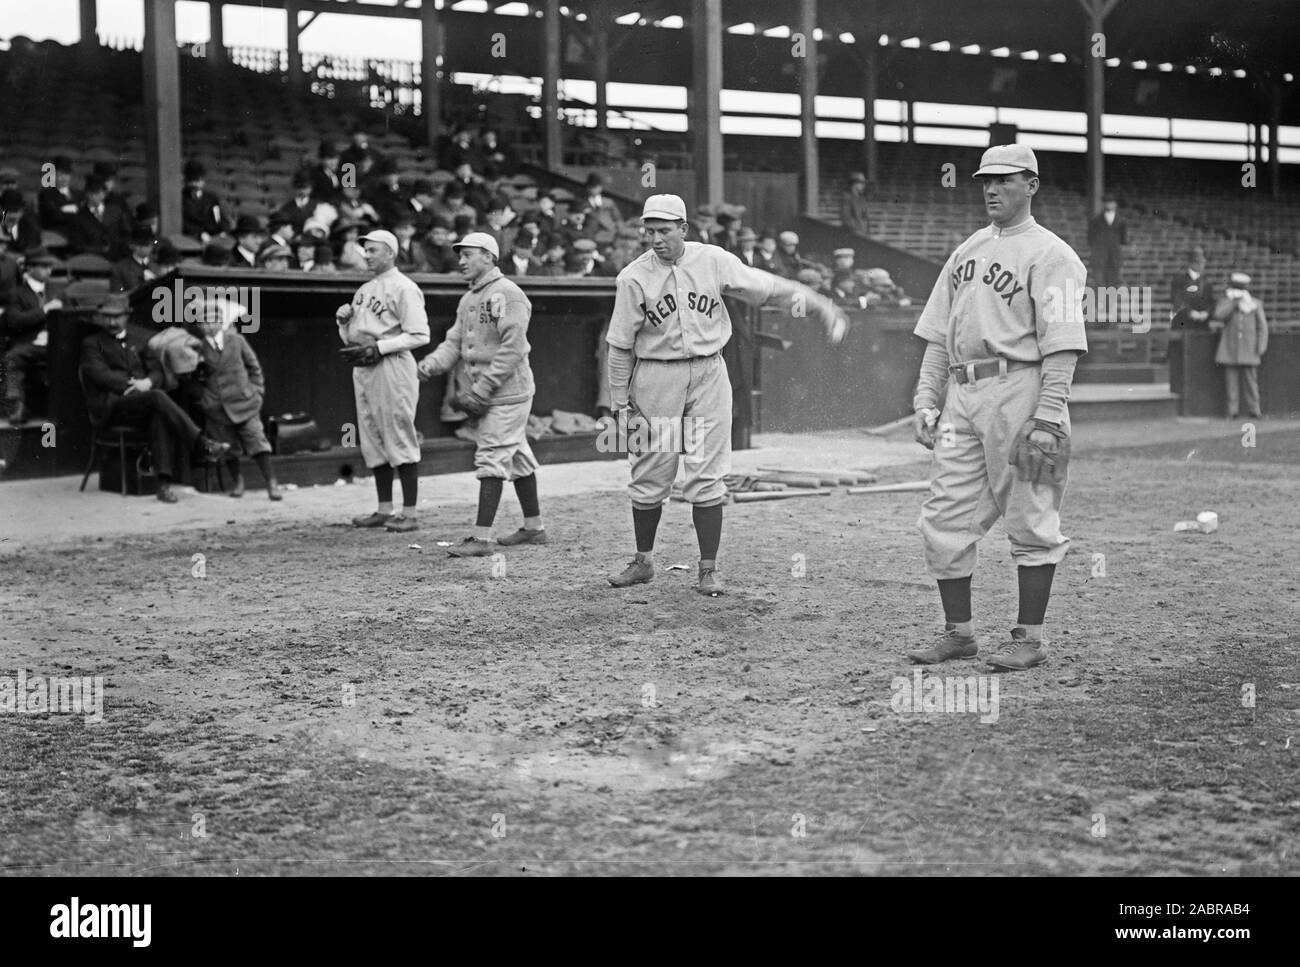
18	360
172	434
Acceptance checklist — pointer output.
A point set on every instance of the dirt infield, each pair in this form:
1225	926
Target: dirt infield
328	701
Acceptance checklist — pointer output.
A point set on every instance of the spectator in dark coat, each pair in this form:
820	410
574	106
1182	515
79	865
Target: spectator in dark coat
249	237
99	228
57	204
495	154
747	248
767	252
10	271
410	253
1107	236
201	213
438	251
477	195
387	196
326	182
27	338
106	171
461	151
302	205
17	224
139	267
146	217
422	204
853	205
359	153
521	260
123	387
1191	295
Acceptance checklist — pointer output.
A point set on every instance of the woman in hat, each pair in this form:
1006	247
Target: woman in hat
351	254
1240	317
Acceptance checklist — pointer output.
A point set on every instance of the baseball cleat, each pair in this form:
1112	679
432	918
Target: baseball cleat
709	583
947	648
524	536
472	547
371	520
1019	655
638	571
401	524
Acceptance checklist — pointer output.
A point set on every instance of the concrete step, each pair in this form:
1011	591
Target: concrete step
1122	401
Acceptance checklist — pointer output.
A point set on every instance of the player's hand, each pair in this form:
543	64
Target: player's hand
424	369
925	423
471	403
343	313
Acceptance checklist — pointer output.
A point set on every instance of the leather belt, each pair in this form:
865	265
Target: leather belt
984	368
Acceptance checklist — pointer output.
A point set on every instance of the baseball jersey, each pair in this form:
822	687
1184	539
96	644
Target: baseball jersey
664	311
1007	292
389	307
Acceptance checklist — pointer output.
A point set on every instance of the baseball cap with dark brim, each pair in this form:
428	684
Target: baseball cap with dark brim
480	240
1007	159
668	207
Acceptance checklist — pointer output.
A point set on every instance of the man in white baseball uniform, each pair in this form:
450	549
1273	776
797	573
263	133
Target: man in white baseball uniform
1003	331
384	322
494	384
665	367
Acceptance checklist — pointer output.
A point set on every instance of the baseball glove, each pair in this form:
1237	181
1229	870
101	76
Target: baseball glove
472	403
360	355
1037	460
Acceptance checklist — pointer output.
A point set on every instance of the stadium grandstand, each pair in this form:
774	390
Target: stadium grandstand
759	113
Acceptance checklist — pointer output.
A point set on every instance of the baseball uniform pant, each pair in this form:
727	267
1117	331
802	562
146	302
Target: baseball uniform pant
688	405
972	485
387	394
502	448
1237	378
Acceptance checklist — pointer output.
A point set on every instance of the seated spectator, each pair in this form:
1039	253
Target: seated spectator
232	397
521	260
304	252
767	252
10	272
139	267
386	196
497	221
702	226
477	194
302	205
201	213
351	253
438	252
410	253
530	230
853	206
747	248
460	151
146	217
423	203
548	216
601	213
728	234
886	294
813	279
586	261
1244	340
275	258
462	225
122	384
99	228
352	207
788	259
495	154
575	227
57	204
281	231
106	171
326	183
17	224
1191	294
324	260
359	153
249	236
217	252
554	263
167	256
25	323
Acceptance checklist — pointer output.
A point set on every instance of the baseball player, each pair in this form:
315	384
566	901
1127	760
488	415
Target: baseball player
494	384
665	366
1003	330
384	322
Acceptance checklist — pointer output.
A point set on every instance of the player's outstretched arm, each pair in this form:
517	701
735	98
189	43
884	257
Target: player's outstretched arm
756	287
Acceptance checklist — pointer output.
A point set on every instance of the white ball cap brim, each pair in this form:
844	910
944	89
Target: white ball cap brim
480	240
384	238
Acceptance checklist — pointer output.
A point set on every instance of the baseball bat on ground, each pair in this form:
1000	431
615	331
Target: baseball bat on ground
746	498
907	487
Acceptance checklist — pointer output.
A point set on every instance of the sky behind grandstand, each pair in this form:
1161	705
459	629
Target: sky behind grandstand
121	23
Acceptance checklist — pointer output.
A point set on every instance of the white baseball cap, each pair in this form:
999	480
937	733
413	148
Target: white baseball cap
480	240
1007	159
669	207
385	238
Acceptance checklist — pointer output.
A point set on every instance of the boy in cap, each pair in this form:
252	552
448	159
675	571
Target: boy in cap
494	384
384	322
